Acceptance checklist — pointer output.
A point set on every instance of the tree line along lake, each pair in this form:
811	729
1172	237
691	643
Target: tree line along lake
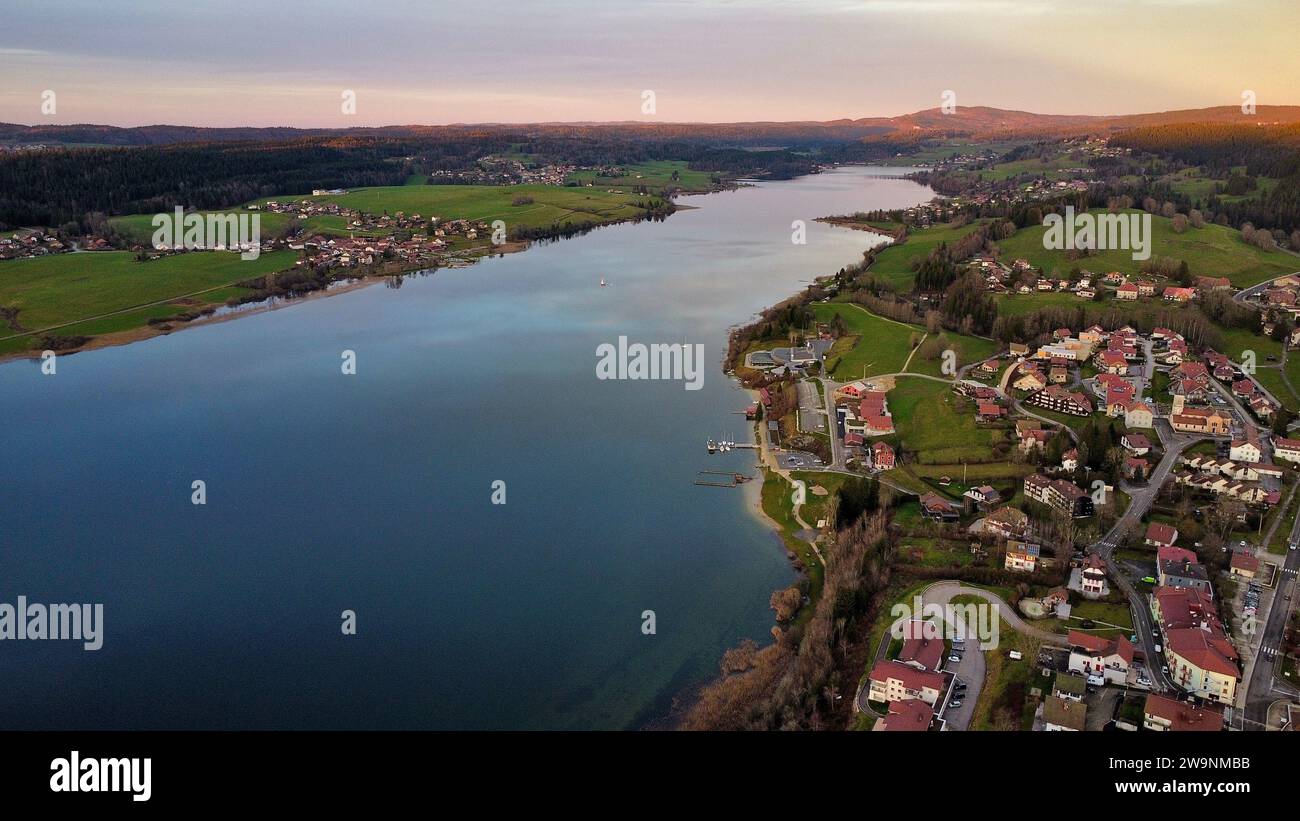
373	492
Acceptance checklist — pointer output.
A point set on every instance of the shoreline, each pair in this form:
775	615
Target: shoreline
146	332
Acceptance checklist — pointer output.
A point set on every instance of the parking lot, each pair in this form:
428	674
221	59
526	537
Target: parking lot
812	419
797	460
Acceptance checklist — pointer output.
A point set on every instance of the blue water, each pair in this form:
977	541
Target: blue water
372	492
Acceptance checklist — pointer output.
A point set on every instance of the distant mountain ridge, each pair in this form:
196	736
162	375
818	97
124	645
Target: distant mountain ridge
979	122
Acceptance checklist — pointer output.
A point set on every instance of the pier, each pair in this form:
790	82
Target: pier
732	480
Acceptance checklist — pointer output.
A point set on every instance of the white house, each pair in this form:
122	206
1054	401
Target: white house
1109	658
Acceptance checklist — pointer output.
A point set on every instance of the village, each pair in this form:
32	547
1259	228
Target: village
1140	550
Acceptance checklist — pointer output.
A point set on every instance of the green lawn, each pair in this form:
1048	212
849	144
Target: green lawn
928	423
1271	378
551	205
777	503
1213	250
894	264
1004	701
655	175
877	345
52	290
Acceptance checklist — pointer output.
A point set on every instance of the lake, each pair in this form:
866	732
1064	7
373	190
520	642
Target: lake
372	492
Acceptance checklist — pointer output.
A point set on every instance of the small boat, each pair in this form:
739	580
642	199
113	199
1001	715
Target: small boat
713	446
602	282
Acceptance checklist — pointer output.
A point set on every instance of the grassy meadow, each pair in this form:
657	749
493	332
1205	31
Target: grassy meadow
64	288
1213	250
551	205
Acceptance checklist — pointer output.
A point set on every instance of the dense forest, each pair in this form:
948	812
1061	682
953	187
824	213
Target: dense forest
1264	151
56	187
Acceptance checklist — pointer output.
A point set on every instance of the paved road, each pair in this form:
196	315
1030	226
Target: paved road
1254	290
1140	500
973	666
1236	405
945	592
1263	688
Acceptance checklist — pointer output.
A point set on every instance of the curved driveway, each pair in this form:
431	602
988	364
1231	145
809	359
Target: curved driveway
972	667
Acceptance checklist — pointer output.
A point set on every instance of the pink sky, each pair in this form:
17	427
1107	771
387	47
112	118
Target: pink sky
139	62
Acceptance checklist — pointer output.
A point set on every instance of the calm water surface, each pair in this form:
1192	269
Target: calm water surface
372	492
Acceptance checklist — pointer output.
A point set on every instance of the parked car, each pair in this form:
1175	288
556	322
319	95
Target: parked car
1096	680
954	657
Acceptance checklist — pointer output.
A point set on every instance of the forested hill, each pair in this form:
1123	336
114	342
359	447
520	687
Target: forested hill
1262	151
973	121
55	187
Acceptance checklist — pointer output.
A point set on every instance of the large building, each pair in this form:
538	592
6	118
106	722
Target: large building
1060	400
1060	495
1183	574
1187	419
1245	449
1201	659
895	681
1288	450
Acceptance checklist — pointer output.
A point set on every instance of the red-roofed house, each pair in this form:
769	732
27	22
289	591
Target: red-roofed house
1092	655
922	652
906	715
990	412
1203	662
1164	714
1136	443
1244	564
1169	553
1159	534
895	681
882	456
934	506
1288	450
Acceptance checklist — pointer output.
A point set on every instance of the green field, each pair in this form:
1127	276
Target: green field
1271	379
929	424
139	227
655	176
1192	183
53	290
948	149
880	345
1213	250
551	205
1034	166
894	264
